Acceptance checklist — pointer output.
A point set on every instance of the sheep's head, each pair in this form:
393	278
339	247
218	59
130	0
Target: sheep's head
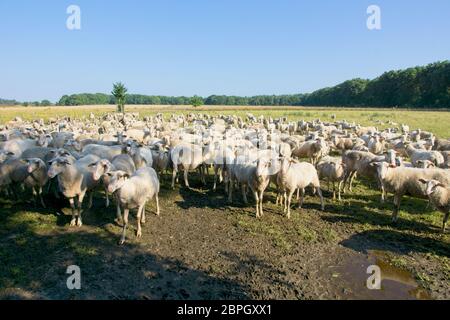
431	185
382	168
117	179
34	164
100	168
58	165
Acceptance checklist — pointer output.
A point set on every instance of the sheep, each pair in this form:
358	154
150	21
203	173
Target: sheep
434	156
376	145
297	175
439	194
103	152
188	157
358	162
253	173
313	150
36	178
160	161
133	192
446	155
333	170
75	178
441	145
401	181
102	168
18	146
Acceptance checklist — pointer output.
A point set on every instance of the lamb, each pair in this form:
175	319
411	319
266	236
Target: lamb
36	178
333	170
415	155
133	192
439	195
160	161
75	178
376	145
401	181
297	175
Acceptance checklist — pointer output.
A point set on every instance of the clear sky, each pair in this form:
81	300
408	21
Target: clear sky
233	47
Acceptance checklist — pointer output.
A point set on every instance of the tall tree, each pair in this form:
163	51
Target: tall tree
119	92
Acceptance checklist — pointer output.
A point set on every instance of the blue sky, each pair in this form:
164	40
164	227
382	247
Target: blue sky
233	47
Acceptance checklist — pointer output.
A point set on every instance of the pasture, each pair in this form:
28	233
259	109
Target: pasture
202	247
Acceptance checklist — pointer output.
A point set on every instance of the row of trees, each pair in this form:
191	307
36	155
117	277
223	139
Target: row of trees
419	87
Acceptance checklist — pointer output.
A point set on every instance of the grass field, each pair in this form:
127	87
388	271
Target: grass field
435	121
201	247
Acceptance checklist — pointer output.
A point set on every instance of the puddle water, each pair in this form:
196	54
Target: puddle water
396	283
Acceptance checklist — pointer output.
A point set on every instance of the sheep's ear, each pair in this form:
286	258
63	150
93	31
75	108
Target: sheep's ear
93	164
66	162
373	164
126	176
392	165
423	181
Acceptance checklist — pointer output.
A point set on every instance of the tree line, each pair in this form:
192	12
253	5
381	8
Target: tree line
417	87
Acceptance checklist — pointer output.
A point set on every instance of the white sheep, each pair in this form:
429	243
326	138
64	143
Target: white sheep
439	195
133	192
297	175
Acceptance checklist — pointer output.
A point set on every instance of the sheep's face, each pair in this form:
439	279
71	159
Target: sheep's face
382	168
57	166
34	164
100	168
431	185
117	179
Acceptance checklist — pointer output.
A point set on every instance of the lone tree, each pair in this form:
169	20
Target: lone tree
119	92
196	101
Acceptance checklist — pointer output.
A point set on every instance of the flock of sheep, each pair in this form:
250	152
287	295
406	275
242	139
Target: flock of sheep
125	157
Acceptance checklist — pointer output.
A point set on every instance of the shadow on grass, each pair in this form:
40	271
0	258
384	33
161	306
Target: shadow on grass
35	257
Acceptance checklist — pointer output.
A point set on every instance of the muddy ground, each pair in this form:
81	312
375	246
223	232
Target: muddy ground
200	247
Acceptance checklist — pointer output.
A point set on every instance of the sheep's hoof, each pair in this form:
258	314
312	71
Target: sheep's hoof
121	242
73	222
118	222
79	223
143	221
138	234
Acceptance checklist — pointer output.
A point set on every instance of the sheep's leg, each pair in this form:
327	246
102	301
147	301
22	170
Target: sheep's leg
118	218
220	174
444	222
289	199
284	201
125	224
352	177
261	196
339	190
230	190
244	193
203	173
138	218
186	182
226	180
91	194
302	196
73	222
107	197
41	198
216	172
319	192
157	204
143	213
35	197
79	205
298	193
255	194
397	199
174	175
334	189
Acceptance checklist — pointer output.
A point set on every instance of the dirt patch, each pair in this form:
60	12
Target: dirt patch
202	248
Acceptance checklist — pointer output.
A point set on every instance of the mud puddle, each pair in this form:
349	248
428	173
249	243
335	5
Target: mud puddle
396	283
